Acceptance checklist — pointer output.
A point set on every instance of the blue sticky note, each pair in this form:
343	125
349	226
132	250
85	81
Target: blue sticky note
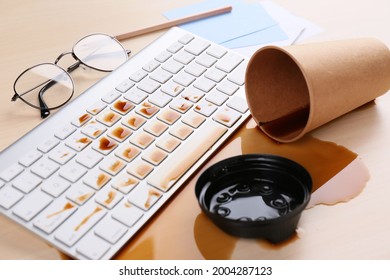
242	20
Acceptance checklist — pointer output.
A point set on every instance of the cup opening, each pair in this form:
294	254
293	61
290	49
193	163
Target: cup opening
277	94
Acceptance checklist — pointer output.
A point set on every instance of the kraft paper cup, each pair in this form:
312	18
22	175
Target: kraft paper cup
295	89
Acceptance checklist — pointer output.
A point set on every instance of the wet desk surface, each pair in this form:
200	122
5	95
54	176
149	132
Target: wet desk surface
355	229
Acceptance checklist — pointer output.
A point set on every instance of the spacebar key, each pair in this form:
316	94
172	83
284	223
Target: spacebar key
186	155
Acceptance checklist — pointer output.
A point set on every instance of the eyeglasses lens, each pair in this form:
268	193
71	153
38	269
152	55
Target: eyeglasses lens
100	51
53	80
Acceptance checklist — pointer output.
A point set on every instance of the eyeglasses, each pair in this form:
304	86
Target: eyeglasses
47	86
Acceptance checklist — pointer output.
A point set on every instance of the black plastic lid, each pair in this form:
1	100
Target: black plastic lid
255	195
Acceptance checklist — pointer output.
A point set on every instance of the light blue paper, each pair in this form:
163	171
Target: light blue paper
265	36
242	20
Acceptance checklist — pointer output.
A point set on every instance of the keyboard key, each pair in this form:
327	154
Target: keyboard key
184	79
161	76
105	145
9	196
97	107
128	152
72	172
227	116
172	88
127	214
160	99
181	131
147	110
133	121
168	143
79	224
108	117
44	168
110	230
193	119
184	57
78	141
215	75
197	46
206	60
93	247
122	106
163	56
108	197
185	39
26	182
192	94
175	47
125	86
195	69
216	51
155	127
168	116
148	85
29	207
89	158
217	97
119	133
165	176
142	139
229	62
205	108
80	193
61	154
154	155
139	168
30	158
96	179
227	87
81	120
238	104
138	76
112	165
48	144
93	129
144	196
136	95
238	75
172	66
54	215
124	183
151	66
181	105
204	84
111	96
11	172
55	186
65	131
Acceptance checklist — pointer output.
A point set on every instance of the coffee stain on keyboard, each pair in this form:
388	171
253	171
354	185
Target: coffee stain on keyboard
110	117
84	197
152	193
83	140
116	166
66	207
101	180
148	109
120	132
123	106
135	122
110	197
86	219
84	118
106	144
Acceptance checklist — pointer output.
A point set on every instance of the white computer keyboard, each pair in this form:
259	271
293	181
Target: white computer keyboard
90	176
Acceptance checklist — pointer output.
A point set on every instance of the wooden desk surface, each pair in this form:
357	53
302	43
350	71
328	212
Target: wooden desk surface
38	31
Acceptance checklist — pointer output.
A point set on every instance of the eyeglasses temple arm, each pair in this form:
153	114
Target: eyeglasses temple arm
45	112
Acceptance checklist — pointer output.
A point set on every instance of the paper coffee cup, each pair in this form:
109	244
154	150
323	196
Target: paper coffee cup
295	89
